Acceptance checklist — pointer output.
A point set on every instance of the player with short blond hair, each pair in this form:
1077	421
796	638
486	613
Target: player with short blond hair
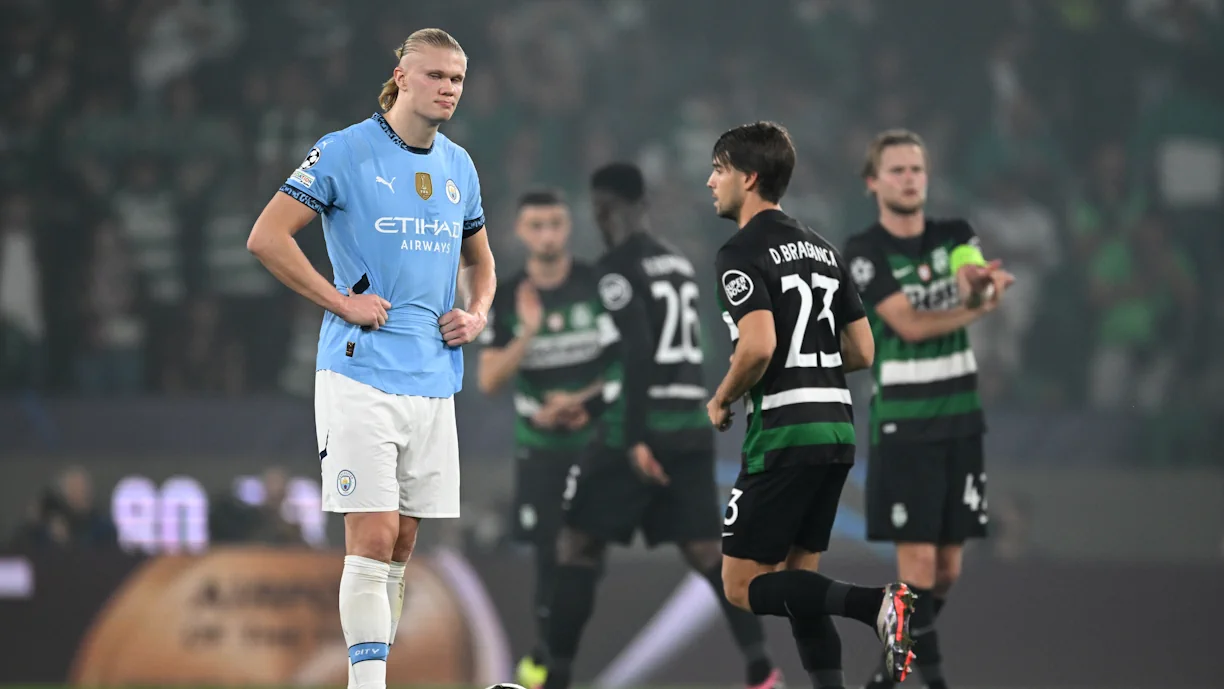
404	224
922	280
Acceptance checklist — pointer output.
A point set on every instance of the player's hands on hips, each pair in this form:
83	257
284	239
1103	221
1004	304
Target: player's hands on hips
720	414
460	327
366	310
644	461
528	307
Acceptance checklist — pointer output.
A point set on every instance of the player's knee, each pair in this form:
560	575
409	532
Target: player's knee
371	535
946	577
405	542
736	580
947	572
578	549
736	590
916	564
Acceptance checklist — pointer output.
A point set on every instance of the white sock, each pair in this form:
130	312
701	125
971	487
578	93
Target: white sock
395	595
365	617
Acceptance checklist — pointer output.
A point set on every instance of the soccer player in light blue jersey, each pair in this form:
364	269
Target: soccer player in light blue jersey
404	225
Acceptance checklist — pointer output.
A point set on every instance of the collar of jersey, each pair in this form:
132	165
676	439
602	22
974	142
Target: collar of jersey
386	127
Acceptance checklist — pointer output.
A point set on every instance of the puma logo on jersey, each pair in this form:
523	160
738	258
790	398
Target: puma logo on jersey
380	180
737	285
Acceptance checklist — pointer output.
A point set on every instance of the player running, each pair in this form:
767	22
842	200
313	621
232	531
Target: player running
401	211
798	326
651	466
548	331
923	281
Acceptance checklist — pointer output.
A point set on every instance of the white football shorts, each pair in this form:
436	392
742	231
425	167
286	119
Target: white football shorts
384	453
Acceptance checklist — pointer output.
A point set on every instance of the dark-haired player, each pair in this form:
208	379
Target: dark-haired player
548	332
651	466
923	281
798	326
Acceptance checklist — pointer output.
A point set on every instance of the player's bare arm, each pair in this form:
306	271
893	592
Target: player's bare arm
498	365
913	325
877	284
577	397
461	326
981	286
857	346
567	409
753	351
272	242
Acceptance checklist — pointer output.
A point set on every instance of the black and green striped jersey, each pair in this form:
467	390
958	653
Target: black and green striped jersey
924	390
650	291
800	411
567	354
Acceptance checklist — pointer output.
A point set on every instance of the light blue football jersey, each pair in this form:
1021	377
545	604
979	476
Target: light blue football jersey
394	217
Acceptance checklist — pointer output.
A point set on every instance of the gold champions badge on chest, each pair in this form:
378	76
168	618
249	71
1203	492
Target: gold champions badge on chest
424	185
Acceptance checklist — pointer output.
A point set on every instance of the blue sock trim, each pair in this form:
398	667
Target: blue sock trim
368	651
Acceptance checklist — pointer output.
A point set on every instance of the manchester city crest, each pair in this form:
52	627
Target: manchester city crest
346	482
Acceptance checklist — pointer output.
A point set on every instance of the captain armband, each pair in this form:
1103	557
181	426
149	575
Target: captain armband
965	255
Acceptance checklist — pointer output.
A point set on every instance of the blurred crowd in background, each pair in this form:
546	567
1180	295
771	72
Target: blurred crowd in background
273	508
139	140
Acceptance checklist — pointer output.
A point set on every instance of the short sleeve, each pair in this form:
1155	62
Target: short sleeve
849	303
318	181
870	271
963	233
741	284
624	300
473	210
